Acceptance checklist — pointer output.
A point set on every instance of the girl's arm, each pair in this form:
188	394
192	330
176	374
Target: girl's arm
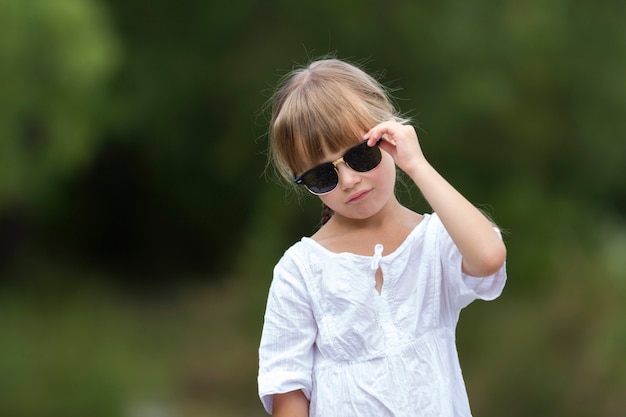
291	404
482	249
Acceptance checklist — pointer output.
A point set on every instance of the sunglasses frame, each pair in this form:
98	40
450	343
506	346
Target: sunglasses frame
300	181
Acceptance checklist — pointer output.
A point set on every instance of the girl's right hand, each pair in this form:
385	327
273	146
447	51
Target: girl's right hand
401	142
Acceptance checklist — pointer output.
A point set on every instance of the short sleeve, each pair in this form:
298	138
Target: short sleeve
289	332
463	288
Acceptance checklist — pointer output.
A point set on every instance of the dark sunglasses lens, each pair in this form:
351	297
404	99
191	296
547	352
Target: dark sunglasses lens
321	180
363	157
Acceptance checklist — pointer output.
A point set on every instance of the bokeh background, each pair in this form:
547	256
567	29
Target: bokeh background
139	226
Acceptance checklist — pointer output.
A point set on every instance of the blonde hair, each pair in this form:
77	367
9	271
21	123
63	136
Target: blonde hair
323	107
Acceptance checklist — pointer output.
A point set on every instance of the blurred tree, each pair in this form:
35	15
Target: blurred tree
510	113
55	60
177	175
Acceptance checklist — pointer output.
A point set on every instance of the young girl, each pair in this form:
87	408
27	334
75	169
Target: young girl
361	316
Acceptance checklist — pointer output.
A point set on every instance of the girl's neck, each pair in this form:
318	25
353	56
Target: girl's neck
391	212
390	227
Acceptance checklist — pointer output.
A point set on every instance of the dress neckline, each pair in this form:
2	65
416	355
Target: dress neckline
417	229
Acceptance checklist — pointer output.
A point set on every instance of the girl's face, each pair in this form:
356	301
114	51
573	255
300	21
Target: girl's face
361	195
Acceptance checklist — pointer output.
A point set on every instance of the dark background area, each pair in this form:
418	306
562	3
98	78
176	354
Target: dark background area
139	225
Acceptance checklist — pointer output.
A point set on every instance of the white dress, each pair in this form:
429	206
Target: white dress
357	353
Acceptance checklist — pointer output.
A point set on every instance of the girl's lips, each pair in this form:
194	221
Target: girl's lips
358	196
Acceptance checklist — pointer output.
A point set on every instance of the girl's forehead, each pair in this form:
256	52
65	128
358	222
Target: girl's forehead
328	151
338	148
321	139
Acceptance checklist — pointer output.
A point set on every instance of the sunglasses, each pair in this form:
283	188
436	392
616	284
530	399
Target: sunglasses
323	178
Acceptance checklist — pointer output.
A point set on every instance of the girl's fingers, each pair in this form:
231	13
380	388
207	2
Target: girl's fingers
381	131
388	139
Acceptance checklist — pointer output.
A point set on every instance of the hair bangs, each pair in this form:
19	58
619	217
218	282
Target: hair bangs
326	121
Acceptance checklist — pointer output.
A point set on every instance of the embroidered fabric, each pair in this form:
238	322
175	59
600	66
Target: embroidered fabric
355	352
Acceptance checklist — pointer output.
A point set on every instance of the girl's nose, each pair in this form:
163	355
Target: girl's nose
348	178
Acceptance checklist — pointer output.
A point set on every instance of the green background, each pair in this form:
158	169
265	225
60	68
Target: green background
139	224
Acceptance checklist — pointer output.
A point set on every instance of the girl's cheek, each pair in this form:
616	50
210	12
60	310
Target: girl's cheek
389	168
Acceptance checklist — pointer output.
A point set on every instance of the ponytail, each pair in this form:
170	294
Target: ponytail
327	213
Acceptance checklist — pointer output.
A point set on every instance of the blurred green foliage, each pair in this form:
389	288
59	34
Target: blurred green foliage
139	225
56	58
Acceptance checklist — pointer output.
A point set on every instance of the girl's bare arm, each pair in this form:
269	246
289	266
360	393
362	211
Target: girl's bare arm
291	404
482	249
